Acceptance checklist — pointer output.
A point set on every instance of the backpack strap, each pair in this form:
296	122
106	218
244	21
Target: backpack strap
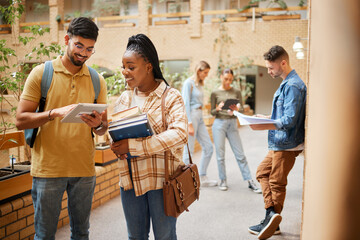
30	134
45	83
96	82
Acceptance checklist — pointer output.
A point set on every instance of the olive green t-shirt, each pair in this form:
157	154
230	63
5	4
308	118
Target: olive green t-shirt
63	149
219	96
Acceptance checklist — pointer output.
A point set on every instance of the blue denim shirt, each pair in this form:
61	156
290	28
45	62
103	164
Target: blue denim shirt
193	96
288	110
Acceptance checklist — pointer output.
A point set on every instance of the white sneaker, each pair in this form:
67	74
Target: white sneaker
253	187
205	182
223	185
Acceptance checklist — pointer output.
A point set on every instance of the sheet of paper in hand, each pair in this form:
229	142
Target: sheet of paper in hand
248	120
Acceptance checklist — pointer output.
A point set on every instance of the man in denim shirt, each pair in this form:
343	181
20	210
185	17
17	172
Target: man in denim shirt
285	138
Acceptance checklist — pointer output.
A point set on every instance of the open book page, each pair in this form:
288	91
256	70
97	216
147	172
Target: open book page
248	120
127	120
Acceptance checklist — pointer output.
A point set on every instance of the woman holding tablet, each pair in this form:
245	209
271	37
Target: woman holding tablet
225	126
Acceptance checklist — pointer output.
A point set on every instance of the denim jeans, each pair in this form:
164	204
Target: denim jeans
227	128
139	210
202	135
47	194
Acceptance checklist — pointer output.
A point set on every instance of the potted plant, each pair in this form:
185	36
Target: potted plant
13	76
275	3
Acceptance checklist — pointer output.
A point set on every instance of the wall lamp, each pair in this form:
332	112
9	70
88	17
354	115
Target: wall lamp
298	47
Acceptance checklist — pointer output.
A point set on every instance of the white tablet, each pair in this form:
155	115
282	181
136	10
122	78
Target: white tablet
83	108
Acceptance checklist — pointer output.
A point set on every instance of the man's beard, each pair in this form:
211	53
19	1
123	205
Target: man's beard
76	63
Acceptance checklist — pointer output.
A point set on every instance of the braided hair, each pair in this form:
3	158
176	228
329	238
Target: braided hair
143	46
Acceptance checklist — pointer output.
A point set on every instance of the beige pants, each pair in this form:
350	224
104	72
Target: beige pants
272	175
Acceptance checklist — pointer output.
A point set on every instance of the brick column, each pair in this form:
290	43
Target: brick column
144	21
196	19
56	7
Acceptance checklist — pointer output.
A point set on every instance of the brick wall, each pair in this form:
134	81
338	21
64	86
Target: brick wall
175	42
17	216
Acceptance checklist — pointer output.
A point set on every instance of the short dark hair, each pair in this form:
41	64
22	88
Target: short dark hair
143	46
83	27
275	53
227	71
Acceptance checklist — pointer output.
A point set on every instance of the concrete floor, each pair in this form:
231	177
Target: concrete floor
218	215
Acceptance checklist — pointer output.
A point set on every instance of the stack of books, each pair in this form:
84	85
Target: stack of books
129	123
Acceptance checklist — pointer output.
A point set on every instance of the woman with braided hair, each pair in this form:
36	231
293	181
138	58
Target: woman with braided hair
141	160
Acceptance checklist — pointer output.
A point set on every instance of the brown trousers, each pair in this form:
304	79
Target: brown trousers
272	175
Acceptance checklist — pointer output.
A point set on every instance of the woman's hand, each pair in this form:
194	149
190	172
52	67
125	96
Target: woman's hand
233	108
191	129
219	107
120	148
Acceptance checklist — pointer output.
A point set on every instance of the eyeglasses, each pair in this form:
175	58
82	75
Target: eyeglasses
79	48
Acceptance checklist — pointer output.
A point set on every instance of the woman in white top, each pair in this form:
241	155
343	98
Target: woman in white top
193	95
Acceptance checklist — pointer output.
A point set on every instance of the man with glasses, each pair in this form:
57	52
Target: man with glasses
63	153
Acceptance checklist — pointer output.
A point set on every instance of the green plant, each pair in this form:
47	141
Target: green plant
174	7
77	13
281	3
175	80
115	83
40	8
126	6
13	10
58	18
222	44
106	8
13	76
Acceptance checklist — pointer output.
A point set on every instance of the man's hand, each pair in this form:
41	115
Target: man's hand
268	126
93	120
61	112
120	148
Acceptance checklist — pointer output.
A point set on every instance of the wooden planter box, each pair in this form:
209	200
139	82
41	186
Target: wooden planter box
14	185
104	156
172	22
280	17
230	19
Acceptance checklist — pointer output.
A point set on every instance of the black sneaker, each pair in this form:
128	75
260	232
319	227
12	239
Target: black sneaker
270	224
257	229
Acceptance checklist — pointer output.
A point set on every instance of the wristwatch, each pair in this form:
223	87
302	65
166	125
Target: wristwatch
98	128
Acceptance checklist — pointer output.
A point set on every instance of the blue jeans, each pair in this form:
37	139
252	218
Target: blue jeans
202	135
227	128
47	194
139	210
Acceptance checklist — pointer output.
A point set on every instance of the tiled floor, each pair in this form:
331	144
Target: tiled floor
218	215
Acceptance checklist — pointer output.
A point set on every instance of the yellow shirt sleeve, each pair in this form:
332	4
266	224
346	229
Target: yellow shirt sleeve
32	87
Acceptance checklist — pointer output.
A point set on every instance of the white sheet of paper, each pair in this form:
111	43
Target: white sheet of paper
248	120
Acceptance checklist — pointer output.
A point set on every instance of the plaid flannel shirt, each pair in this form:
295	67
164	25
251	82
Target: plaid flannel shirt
148	168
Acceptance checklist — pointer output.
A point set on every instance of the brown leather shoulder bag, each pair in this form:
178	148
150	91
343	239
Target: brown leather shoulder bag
183	187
